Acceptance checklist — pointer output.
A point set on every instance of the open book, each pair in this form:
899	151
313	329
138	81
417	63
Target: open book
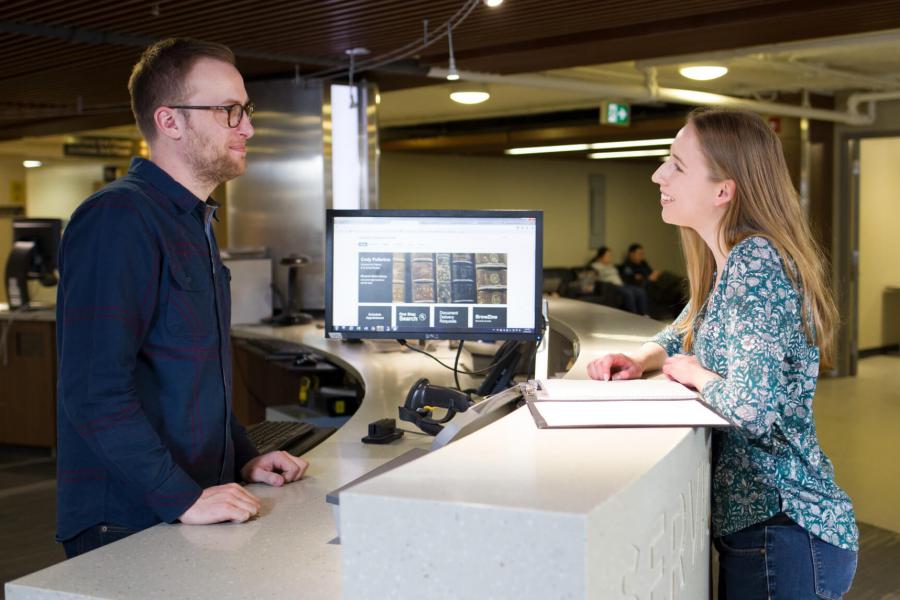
584	403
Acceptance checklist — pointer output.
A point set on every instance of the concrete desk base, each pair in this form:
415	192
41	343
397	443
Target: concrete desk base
516	512
509	511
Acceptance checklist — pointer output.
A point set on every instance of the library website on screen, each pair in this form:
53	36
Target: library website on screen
433	274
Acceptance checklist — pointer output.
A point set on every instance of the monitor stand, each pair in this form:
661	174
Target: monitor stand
379	345
542	352
508	358
17	267
291	315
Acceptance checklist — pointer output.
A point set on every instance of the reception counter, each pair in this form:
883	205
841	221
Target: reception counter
509	511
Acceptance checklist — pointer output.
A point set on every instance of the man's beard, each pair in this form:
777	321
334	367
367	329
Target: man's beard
210	163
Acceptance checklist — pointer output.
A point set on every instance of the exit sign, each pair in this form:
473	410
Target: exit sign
615	113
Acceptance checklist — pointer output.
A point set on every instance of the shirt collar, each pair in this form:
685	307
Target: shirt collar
180	196
210	206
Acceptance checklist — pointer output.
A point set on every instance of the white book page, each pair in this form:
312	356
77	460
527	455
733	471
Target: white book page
625	413
629	389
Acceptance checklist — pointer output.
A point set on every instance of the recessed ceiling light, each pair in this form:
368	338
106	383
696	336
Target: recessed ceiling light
31	164
493	3
470	96
703	72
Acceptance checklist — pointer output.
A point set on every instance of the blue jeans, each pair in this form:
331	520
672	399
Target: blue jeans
634	299
778	560
94	537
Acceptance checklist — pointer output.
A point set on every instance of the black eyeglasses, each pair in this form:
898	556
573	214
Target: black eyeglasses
235	111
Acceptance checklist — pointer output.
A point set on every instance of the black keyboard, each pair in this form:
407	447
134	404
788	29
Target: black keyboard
278	435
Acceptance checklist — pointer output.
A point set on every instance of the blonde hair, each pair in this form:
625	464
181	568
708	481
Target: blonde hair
740	146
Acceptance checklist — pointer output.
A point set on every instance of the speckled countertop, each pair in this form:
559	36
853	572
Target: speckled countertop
289	551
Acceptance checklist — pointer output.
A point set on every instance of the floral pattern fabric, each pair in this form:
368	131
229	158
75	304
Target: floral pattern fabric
750	333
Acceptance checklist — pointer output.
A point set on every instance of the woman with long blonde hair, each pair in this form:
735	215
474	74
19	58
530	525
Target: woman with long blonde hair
758	324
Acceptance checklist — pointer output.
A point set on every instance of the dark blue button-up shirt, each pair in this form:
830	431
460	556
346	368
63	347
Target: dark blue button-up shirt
144	398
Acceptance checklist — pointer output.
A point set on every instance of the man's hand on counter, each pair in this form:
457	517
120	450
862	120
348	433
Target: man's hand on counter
275	468
232	502
229	502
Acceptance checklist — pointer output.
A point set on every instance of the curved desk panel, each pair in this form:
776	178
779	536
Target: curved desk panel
507	512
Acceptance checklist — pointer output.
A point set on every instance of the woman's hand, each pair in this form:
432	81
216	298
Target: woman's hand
686	369
615	366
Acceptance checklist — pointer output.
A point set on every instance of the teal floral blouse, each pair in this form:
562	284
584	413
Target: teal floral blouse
750	333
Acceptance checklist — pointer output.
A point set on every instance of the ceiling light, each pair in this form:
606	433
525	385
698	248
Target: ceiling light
548	149
493	3
594	146
628	154
703	72
632	144
452	73
470	96
31	164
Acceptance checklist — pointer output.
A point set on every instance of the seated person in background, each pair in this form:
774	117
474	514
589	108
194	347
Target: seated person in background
634	269
634	299
665	290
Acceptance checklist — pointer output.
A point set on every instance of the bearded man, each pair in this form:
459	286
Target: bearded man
146	432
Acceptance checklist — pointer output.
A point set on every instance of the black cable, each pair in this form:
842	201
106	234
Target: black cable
405	51
448	367
456	366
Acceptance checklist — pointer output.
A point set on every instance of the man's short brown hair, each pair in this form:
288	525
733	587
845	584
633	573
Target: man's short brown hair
159	76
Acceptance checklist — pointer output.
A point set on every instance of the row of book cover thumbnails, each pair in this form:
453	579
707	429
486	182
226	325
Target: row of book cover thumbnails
428	289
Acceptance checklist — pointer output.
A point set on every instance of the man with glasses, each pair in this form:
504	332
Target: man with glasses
146	433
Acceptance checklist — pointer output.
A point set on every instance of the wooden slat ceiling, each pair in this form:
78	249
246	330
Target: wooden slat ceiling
42	76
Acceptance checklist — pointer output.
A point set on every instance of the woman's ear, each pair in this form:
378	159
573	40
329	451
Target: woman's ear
725	192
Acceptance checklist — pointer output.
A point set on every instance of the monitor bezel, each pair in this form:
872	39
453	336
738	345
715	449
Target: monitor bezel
45	233
330	333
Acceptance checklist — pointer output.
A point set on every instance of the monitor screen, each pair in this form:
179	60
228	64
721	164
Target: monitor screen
34	256
433	274
45	235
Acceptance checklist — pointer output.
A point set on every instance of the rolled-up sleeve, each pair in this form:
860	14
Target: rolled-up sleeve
110	274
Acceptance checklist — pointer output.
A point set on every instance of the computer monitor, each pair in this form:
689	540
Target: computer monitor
433	274
34	256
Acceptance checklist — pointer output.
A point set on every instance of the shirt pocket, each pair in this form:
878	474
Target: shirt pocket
191	310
